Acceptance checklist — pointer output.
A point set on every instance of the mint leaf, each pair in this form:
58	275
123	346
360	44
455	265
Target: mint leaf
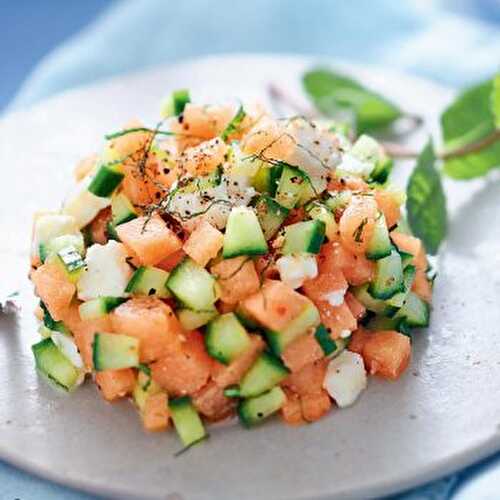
474	116
333	94
426	202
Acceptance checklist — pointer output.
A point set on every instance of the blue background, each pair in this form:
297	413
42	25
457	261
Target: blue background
47	46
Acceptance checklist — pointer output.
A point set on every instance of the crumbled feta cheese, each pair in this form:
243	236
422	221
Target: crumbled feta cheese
82	204
107	272
351	165
214	203
336	297
296	269
316	151
345	378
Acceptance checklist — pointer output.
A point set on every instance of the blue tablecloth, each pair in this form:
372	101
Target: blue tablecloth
424	38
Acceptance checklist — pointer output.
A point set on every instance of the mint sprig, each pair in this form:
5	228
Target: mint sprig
470	129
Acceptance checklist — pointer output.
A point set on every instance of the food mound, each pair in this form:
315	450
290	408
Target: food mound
227	262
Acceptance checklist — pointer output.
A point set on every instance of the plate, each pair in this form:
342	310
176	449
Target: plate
443	414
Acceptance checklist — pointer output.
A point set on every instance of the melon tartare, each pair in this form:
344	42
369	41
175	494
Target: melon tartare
228	263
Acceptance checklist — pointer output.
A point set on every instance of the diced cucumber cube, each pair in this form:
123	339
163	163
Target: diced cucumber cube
243	234
122	209
112	351
226	338
388	277
415	311
266	179
304	237
52	363
263	375
187	422
175	103
372	304
96	308
254	410
294	186
271	215
148	280
193	285
380	245
191	320
106	180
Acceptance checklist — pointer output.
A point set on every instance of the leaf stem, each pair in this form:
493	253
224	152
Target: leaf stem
472	147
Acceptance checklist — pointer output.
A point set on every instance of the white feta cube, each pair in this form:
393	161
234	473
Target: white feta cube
107	273
345	378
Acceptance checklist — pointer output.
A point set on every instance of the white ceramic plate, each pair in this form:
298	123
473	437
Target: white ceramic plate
443	414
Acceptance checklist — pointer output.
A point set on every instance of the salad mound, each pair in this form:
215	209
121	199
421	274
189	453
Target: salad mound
227	262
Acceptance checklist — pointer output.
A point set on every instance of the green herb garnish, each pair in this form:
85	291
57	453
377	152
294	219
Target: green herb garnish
126	131
426	201
334	94
471	131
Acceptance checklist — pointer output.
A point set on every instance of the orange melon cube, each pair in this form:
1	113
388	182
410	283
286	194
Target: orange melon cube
275	305
387	353
172	260
200	123
337	319
324	284
186	370
155	415
203	243
152	322
302	351
422	286
358	340
212	404
237	279
389	206
53	288
357	223
115	384
357	269
150	239
203	158
291	411
314	406
309	379
225	307
358	310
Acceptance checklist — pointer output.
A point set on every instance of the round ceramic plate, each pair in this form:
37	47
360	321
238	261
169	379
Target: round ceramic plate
444	413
